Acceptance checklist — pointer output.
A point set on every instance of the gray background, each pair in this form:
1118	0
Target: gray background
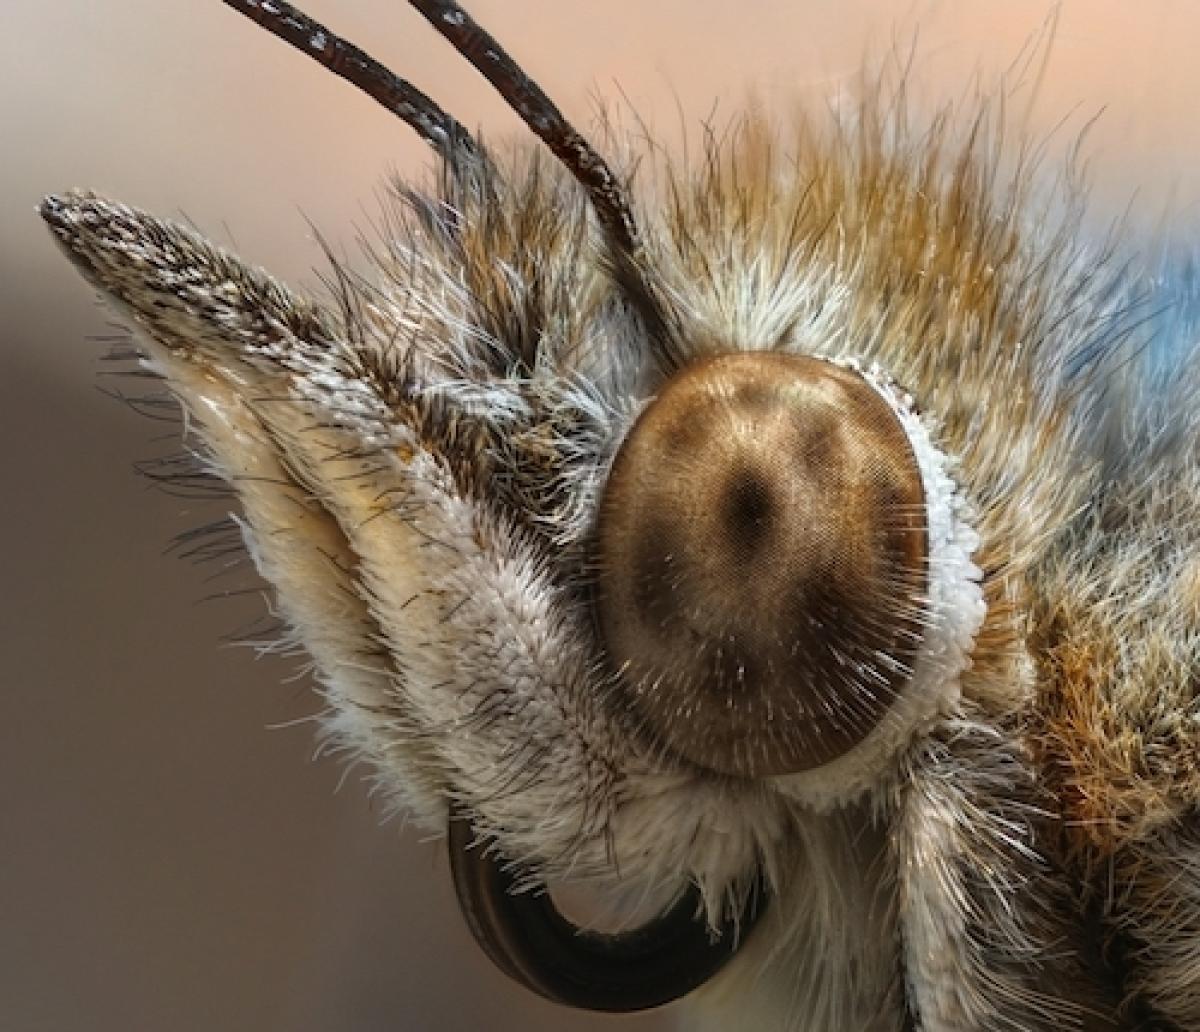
167	859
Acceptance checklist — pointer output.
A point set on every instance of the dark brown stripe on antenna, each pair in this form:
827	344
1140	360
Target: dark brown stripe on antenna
444	133
526	98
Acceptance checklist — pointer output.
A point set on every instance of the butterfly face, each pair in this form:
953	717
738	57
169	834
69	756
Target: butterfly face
753	540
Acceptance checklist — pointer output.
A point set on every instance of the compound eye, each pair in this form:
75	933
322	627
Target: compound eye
763	559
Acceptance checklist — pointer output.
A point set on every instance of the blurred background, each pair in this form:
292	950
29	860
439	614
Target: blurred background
171	854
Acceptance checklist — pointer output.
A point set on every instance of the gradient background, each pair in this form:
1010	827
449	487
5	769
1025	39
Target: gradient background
166	861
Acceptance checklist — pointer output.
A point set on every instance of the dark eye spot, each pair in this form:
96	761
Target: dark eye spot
654	574
747	510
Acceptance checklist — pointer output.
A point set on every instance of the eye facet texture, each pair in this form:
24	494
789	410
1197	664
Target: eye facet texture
762	548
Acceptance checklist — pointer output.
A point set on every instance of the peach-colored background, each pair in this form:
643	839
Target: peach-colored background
166	861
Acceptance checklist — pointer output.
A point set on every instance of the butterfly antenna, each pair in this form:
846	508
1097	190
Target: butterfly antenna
526	98
442	131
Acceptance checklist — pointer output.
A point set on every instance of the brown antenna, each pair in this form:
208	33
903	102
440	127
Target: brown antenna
437	128
538	111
